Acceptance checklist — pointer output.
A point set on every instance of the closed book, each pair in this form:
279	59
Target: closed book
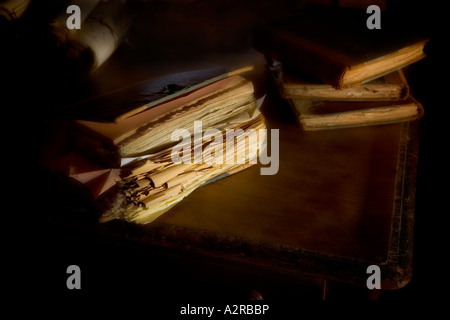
293	85
321	114
335	46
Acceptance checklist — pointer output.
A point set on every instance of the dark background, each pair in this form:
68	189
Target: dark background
167	36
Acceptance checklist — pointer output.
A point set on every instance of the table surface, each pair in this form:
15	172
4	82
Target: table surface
342	200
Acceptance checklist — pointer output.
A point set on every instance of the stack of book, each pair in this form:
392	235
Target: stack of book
335	72
142	149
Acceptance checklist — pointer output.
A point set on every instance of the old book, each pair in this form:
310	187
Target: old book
153	185
146	187
321	114
335	46
214	112
293	85
146	127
